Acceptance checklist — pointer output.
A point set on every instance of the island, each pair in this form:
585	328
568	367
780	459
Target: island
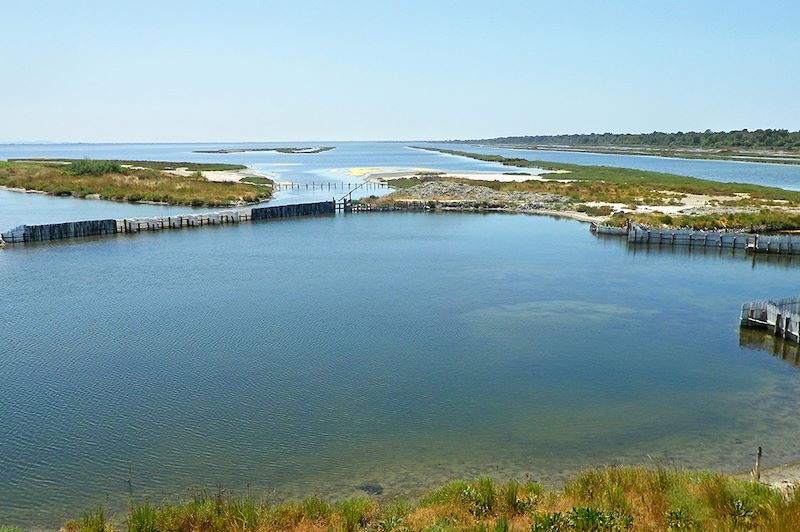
278	150
594	193
171	183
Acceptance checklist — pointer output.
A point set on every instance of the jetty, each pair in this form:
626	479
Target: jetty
92	228
638	234
330	185
782	317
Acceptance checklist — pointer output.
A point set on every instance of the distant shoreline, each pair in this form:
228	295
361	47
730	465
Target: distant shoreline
278	150
642	151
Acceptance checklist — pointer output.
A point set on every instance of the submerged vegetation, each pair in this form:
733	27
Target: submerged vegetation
612	499
130	181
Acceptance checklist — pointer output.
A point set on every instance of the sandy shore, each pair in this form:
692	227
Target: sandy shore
382	175
229	176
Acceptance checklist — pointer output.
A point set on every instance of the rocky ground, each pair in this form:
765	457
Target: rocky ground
458	196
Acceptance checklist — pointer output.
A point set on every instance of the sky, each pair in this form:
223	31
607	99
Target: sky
142	71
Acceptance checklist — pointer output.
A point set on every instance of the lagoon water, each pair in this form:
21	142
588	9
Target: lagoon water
319	355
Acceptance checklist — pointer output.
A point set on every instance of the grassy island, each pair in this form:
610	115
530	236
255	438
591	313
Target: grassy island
173	183
614	194
612	499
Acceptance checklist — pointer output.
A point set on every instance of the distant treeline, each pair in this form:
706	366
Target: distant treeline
760	138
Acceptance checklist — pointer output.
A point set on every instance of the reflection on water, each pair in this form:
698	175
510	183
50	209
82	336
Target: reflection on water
762	340
755	260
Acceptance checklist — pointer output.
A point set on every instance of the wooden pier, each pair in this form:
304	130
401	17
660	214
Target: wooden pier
60	231
782	317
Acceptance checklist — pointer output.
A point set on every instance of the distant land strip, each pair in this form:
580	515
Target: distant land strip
763	145
279	150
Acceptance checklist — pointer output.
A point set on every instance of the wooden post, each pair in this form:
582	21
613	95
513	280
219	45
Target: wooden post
757	470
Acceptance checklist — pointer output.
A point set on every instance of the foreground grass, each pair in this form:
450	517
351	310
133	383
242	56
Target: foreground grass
613	499
114	180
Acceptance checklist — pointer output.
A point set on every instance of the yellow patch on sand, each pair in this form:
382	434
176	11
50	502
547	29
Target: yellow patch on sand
361	171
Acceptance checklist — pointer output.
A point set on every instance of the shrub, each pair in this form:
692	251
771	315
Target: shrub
89	167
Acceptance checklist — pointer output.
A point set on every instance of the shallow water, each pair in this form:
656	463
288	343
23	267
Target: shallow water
401	349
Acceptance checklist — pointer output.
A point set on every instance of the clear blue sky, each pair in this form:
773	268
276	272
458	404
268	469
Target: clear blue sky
341	70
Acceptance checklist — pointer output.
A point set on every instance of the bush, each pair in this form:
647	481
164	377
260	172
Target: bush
89	167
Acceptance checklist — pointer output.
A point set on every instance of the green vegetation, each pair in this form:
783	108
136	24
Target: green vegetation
762	221
115	181
618	185
87	167
153	165
253	180
602	210
612	499
760	138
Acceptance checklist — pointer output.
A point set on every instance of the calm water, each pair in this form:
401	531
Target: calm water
318	355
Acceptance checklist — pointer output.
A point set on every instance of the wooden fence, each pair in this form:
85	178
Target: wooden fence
754	243
781	316
46	232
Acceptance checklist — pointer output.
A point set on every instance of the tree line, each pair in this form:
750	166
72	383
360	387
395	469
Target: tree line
743	138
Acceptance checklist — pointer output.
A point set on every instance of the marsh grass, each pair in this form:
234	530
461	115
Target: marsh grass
764	220
254	180
152	165
109	180
610	499
619	185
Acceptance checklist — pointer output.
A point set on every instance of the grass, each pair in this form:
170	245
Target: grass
611	499
152	165
622	185
114	181
762	221
254	180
